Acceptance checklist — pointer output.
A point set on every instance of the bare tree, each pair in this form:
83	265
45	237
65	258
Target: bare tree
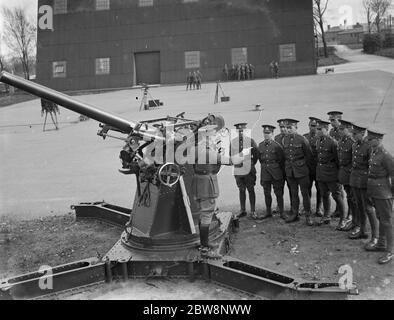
380	9
319	9
20	36
368	11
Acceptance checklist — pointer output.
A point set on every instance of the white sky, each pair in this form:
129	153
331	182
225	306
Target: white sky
30	5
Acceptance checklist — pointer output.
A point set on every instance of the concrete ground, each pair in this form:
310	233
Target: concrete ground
43	173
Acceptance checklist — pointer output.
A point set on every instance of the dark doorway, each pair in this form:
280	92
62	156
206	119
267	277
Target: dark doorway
147	67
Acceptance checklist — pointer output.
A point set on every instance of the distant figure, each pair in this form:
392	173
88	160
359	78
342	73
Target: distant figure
251	71
276	70
238	69
189	81
272	69
194	80
232	72
198	79
225	72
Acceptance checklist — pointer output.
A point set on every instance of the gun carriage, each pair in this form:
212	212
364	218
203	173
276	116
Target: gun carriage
160	236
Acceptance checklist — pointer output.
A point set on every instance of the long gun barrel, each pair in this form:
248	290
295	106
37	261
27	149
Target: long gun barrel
70	103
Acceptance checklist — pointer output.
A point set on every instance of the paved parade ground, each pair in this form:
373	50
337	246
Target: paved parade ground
43	173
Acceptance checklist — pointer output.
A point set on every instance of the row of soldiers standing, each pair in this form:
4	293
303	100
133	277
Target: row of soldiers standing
337	161
194	80
243	71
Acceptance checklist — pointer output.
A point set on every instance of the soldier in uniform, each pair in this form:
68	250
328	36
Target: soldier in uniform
205	182
272	159
245	180
358	181
381	190
312	139
327	173
283	131
345	146
335	118
298	158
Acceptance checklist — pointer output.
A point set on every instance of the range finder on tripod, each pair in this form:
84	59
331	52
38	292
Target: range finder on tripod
147	104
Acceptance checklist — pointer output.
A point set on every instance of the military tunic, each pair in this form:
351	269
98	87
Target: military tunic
298	159
327	160
298	155
345	154
279	138
312	139
272	159
205	186
335	134
361	152
245	174
245	179
381	190
327	174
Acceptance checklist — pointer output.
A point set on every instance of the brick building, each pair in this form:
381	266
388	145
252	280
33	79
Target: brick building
98	44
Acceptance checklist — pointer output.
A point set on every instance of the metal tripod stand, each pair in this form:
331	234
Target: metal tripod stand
144	101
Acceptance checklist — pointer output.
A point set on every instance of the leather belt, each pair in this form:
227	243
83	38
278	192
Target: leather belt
296	159
269	162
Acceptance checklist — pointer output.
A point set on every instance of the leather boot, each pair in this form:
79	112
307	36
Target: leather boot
308	219
386	258
267	214
358	234
204	237
375	245
292	217
349	225
341	225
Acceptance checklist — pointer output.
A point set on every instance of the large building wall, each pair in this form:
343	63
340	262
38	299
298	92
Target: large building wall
172	27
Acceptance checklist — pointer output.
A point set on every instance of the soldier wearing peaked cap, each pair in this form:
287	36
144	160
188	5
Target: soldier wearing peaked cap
334	118
272	159
205	186
380	188
283	131
245	176
311	136
345	146
335	133
298	159
327	172
279	139
361	154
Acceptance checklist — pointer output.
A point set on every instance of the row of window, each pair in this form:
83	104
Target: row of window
59	68
192	60
60	6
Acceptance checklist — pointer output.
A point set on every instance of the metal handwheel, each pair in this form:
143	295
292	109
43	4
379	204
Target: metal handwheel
169	174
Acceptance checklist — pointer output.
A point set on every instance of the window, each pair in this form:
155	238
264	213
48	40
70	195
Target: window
59	69
288	52
102	66
192	59
102	4
239	55
60	6
145	3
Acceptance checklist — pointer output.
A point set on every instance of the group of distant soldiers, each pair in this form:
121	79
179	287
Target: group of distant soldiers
194	80
243	71
349	162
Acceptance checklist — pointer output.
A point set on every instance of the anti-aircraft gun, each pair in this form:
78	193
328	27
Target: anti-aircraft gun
160	235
